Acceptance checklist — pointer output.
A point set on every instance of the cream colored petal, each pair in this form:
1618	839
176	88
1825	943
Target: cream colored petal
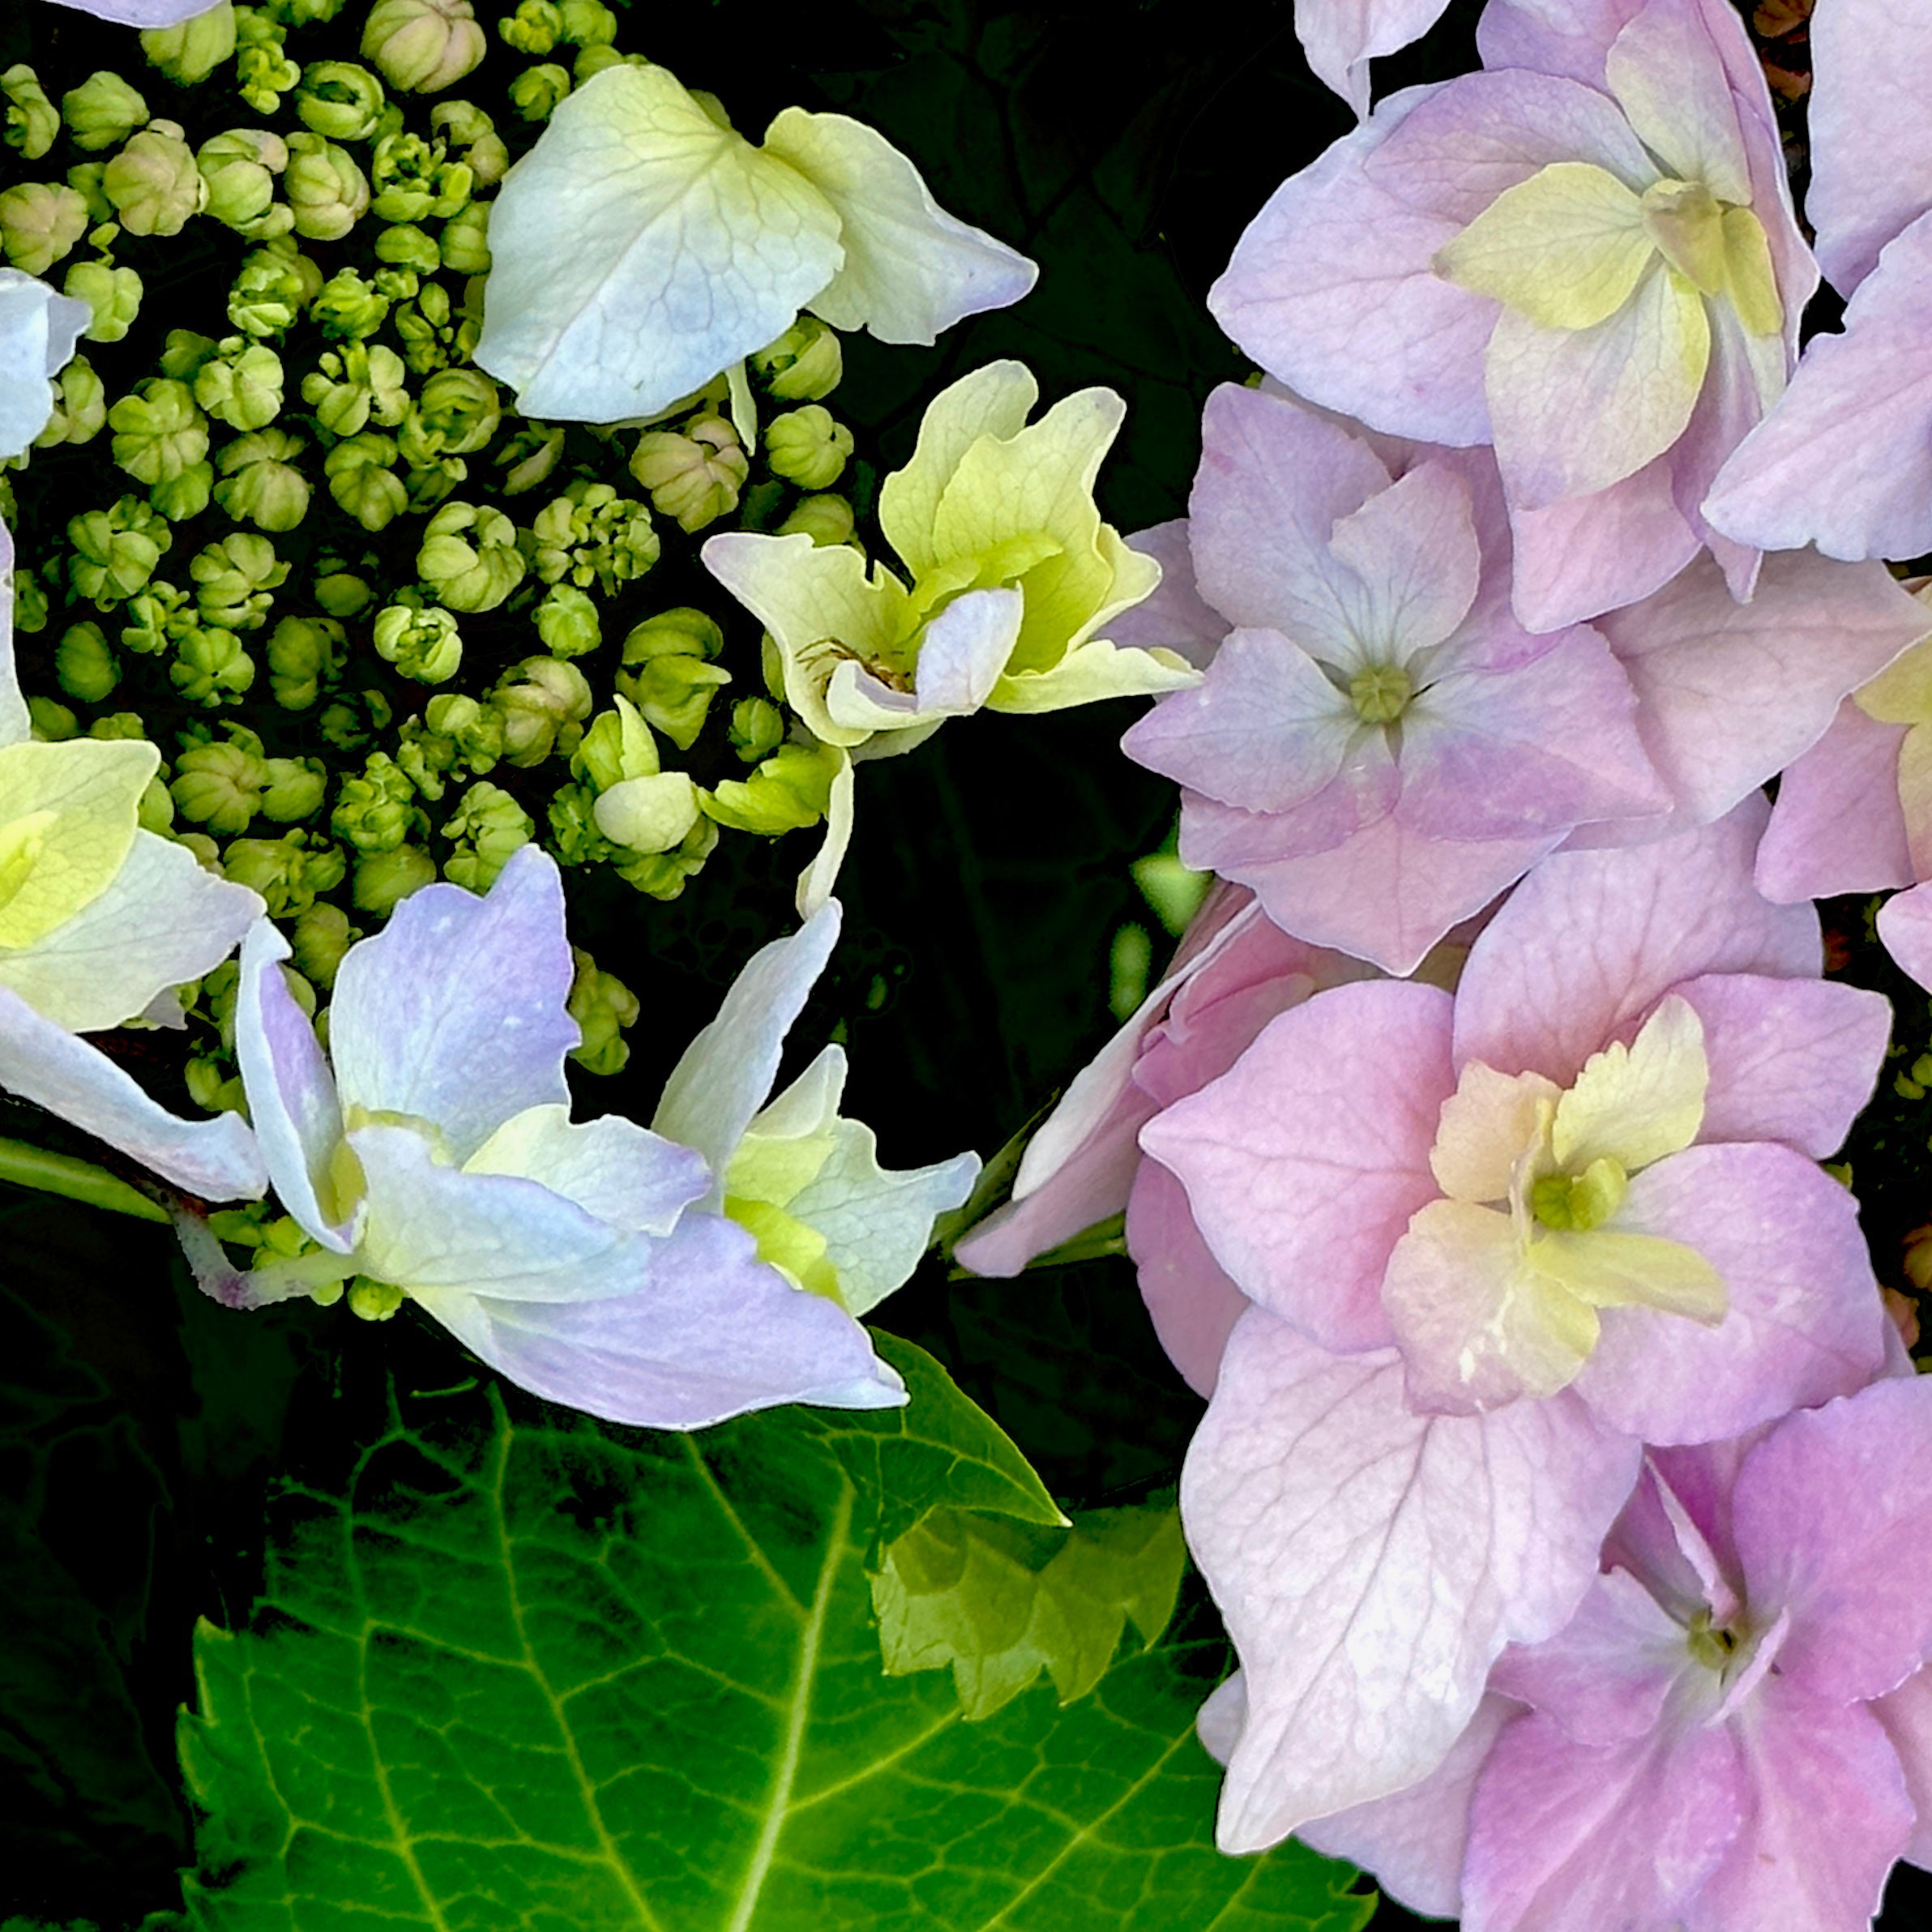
1901	694
1608	1268
1095	669
1485	1127
1636	1103
82	798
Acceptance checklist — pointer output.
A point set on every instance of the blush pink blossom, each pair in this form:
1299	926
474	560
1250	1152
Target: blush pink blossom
1496	1239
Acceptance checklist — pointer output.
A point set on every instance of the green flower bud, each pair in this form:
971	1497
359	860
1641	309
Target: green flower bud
422	644
343	594
573	836
113	294
180	497
528	459
117	727
384	880
425	757
425	329
295	789
260	484
758	729
402	244
263	69
211	668
79	407
376	811
85	179
587	23
473	138
544	701
592	61
304	652
192	51
208	1088
339	100
183	355
30	600
456	414
39	222
663	874
85	664
535	28
243	386
153	182
423	46
464	241
566	621
674	693
112	553
158	431
323	935
488	826
825	520
328	193
102	112
348	722
617	745
603	1007
807	447
792	789
591	534
415	179
219	786
287	872
275	286
32	119
362	482
240	167
695	476
536	90
302	12
235	579
469	557
348	308
156	812
804	364
154	619
52	724
475	731
355	383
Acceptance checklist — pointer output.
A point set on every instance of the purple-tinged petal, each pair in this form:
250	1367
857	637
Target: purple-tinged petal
1176	618
1304	1162
455	1012
963	651
1413	549
1825	1815
1747	376
1843	460
1907	1716
637	1181
1590	940
1905	929
1731	692
291	1096
1415	1842
1804	1321
142	13
1663	69
1340	37
707	1332
1790	1060
1829	1516
217	1160
1871	141
16	723
1370	1563
1193	1304
1838	826
724	1075
1572	39
1571	1838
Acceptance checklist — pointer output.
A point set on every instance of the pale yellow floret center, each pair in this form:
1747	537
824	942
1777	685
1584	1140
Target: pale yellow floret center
1380	693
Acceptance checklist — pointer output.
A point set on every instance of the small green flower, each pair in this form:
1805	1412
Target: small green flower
275	286
240	168
323	935
80	408
158	431
757	729
384	880
536	90
295	790
153	182
303	654
618	747
544	703
263	67
668	674
112	553
342	593
426	757
180	497
826	519
363	482
475	731
456	414
155	618
339	100
39	222
260	484
603	1008
587	23
219	784
535	28
402	244
52	724
377	811
102	112
790	789
528	459
32	119
803	364
348	308
192	51
423	46
808	446
423	644
566	621
328	193
288	872
355	383
469	557
241	385
574	838
471	137
488	826
426	329
415	179
237	579
113	294
349	720
465	242
664	874
85	664
211	668
590	534
695	476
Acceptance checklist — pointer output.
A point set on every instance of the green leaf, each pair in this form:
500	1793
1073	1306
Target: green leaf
1000	1602
514	1669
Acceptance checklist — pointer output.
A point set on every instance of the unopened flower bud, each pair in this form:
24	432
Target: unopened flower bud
489	826
808	446
235	581
543	702
664	874
463	242
80	409
456	414
667	675
422	644
618	746
695	476
180	497
302	653
30	600
102	112
587	23
52	723
536	90
791	789
402	244
112	553
154	618
211	667
826	520
193	50
323	935
472	136
342	593
328	193
339	100
566	621
475	731
153	182
602	1006
39	222
294	789
260	484
469	557
804	364
376	810
84	664
112	294
384	880
362	482
158	431
241	168
593	60
535	28
276	285
758	729
423	46
31	120
218	785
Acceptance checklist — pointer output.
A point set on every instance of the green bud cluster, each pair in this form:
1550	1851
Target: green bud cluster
40	223
422	644
668	674
591	534
112	553
604	1008
31	121
261	65
79	407
488	826
694	475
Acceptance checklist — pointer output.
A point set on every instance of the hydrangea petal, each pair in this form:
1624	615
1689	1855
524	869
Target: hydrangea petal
38	331
1837	825
911	270
15	723
1907	1716
690	249
709	1332
455	1012
637	1181
1804	1322
993	400
1175	617
84	795
1664	71
1304	1162
217	1160
163	920
1413	551
1190	1301
142	13
1637	1103
1370	1563
1340	37
1905	928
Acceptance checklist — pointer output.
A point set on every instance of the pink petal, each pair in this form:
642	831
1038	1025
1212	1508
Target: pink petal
1664	71
1838	826
1571	40
455	1012
1193	1304
1905	927
1304	1162
1589	942
1790	1060
1829	1518
1370	1563
1843	460
1805	1322
1176	618
1907	1716
1341	36
1731	692
1413	552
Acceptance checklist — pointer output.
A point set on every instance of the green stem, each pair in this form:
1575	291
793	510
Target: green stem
27	1166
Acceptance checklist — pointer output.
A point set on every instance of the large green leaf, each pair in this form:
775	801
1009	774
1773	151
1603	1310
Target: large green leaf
514	1670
